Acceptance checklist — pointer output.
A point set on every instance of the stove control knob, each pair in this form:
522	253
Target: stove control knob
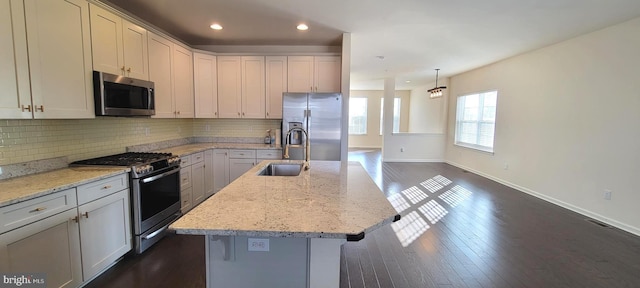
149	168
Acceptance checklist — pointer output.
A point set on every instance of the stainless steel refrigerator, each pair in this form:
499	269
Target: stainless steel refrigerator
320	114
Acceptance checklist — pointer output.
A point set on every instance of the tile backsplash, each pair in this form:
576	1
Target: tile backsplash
28	140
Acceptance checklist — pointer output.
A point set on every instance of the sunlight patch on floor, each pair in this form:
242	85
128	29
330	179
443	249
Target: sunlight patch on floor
409	228
414	194
398	202
455	195
433	211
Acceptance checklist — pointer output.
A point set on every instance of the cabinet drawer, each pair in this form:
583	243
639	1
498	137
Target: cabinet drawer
185	200
185	160
269	154
23	213
197	157
242	154
98	189
185	178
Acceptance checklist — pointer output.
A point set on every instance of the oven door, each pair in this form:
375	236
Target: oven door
155	197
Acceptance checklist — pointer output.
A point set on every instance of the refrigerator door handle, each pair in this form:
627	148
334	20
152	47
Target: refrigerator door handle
308	114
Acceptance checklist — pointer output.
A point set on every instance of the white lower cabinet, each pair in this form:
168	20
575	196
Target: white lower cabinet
220	169
105	232
209	188
50	246
71	246
192	180
237	167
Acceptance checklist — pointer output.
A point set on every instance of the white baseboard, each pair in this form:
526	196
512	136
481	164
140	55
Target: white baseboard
623	226
412	160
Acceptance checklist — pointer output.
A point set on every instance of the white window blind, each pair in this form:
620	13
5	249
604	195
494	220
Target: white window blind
357	116
476	120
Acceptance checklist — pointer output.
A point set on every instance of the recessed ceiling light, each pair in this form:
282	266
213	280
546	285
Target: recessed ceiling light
380	57
408	81
216	26
302	27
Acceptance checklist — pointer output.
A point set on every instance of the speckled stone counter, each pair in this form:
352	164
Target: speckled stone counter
199	147
23	188
331	200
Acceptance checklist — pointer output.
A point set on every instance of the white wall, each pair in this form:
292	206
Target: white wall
426	114
417	147
568	121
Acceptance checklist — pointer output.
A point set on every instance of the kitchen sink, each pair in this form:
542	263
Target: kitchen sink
281	170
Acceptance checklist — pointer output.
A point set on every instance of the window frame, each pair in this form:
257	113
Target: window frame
479	122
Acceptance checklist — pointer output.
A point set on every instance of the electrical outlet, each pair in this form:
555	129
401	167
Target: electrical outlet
401	149
147	131
506	166
207	127
256	244
607	194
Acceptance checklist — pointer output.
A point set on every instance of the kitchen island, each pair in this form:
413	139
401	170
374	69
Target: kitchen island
286	231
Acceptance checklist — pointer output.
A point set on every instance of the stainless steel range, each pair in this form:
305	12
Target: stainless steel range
155	192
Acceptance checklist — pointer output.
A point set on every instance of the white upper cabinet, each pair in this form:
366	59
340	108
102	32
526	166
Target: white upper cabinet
205	85
119	46
314	73
276	84
253	87
229	86
171	71
14	71
183	81
160	69
59	58
241	87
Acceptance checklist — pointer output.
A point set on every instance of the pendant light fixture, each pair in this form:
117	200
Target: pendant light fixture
436	92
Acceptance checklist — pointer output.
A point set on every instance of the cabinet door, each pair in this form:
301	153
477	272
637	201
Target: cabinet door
106	41
276	84
237	167
229	86
208	173
14	71
59	44
160	69
205	85
220	169
300	74
197	184
183	82
105	232
327	74
50	246
253	94
136	57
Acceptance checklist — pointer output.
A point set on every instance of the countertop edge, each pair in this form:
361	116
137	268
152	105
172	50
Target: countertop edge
109	172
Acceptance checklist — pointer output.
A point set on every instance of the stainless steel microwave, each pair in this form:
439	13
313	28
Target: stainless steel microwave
116	95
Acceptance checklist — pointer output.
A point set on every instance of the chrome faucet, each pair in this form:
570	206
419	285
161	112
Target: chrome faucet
307	151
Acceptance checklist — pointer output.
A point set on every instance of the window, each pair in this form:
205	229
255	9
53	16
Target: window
396	114
476	120
358	116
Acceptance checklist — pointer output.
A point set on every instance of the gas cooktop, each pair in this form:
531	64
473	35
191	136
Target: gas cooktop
141	163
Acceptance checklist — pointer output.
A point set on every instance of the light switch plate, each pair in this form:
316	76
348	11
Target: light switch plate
257	244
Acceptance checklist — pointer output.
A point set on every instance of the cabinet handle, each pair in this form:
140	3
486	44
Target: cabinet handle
238	113
41	108
129	70
74	219
242	113
39	209
122	68
215	113
85	214
178	112
267	113
106	187
27	108
311	88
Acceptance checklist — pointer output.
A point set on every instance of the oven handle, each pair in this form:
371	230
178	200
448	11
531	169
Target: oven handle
155	233
154	178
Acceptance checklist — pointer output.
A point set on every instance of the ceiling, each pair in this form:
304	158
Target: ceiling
414	36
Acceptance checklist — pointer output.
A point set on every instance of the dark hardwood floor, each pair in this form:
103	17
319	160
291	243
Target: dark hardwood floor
472	232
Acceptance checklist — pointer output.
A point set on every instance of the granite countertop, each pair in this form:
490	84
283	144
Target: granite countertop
23	188
331	200
199	147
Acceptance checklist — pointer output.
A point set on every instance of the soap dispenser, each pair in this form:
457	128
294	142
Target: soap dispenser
267	139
